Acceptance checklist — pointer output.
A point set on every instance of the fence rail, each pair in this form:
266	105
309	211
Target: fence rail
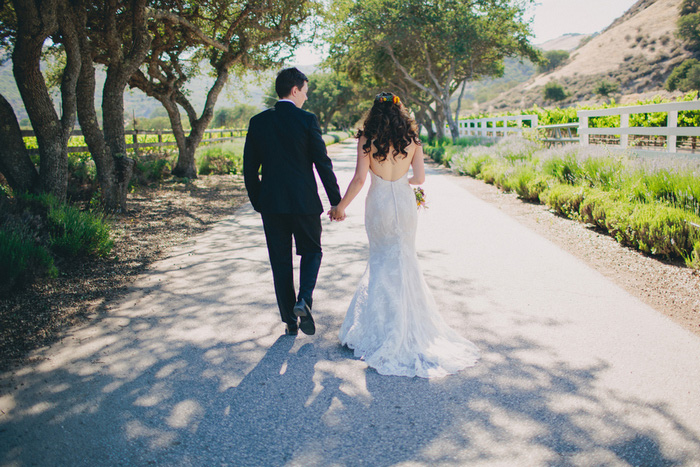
496	127
560	134
666	138
671	131
137	145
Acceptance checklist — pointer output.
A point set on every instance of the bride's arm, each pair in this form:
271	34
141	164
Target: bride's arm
418	167
356	184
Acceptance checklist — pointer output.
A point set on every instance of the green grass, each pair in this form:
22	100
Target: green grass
36	230
333	137
77	233
221	159
22	259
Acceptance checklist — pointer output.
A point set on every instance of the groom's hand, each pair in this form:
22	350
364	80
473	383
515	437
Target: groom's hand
335	214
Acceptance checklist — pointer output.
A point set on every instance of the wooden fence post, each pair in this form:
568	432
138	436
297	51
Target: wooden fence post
672	125
135	139
624	123
583	125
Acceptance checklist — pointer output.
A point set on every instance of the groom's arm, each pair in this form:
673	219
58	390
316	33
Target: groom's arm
251	165
323	163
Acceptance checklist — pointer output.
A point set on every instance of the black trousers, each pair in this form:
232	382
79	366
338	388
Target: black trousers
306	231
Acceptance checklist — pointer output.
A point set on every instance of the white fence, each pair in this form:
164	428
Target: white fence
671	131
581	132
496	127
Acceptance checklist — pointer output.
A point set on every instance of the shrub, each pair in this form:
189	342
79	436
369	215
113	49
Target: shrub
603	172
436	153
514	149
220	160
503	177
536	186
605	88
151	168
649	205
688	30
565	199
77	233
595	205
471	161
470	141
490	172
685	77
677	188
564	168
36	228
692	260
82	176
553	59
520	180
554	91
660	230
71	232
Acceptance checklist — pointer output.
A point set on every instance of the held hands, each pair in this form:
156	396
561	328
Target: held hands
336	214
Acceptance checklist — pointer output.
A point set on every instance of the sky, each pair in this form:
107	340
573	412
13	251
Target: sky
551	19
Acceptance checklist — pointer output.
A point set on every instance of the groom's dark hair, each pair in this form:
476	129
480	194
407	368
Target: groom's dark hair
288	79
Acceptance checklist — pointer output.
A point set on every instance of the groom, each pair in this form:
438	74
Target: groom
286	142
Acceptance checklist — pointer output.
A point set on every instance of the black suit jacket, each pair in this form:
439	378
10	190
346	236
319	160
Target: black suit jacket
286	141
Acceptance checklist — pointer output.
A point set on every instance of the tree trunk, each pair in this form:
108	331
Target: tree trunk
113	172
115	138
15	163
452	124
186	166
91	130
424	120
108	149
439	119
459	106
35	23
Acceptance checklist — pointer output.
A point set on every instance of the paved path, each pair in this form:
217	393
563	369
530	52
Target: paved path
190	368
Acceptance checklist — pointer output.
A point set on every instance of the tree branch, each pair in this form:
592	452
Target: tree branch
173	18
408	76
429	67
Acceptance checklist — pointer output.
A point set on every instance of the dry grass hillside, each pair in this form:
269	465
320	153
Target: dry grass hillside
566	42
636	52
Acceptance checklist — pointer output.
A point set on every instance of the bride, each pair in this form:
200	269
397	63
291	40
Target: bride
392	322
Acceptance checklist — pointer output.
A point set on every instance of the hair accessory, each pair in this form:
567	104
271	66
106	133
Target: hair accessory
387	97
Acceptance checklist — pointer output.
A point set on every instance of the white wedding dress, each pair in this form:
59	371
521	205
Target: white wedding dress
392	322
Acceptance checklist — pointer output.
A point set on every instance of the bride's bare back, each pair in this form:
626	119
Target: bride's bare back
393	167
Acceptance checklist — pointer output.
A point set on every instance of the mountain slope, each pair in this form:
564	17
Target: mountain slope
566	42
637	52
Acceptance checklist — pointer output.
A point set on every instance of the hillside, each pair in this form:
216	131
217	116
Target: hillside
637	52
566	42
515	72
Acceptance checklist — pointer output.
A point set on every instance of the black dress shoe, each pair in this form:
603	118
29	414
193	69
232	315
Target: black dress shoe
292	329
306	321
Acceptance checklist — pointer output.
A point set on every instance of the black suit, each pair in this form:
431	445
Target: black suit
286	142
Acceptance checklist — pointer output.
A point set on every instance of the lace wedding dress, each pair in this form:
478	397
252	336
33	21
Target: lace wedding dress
393	322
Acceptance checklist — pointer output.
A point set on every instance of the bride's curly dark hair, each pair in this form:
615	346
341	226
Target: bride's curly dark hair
388	125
